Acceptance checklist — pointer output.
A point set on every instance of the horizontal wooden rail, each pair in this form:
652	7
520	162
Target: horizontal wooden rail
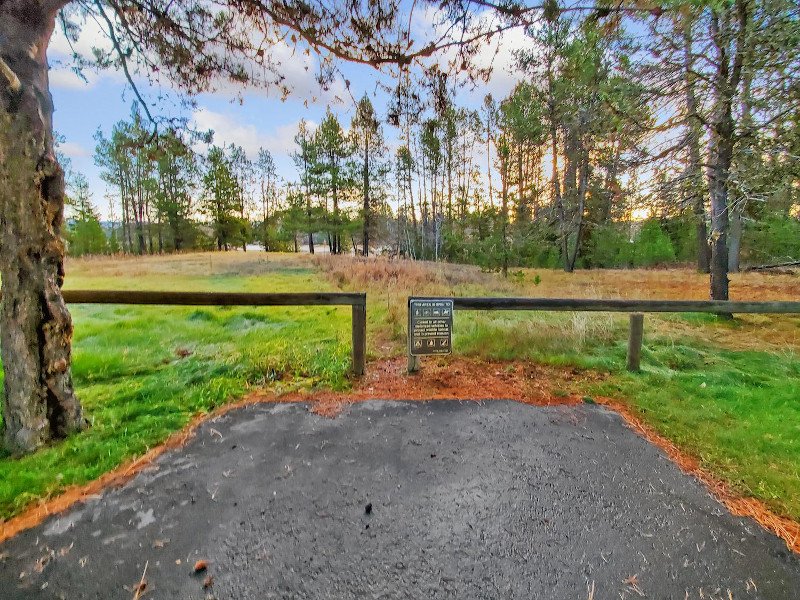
357	300
215	298
636	307
581	304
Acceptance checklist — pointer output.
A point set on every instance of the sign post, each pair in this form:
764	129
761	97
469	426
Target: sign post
430	329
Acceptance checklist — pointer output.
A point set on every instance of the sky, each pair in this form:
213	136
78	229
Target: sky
261	119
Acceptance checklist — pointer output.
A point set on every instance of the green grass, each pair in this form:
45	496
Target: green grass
726	391
137	388
738	412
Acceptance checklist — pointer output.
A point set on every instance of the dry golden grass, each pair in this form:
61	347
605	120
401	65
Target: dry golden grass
183	265
389	282
675	283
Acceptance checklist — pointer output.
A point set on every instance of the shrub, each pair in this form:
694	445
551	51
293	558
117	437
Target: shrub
652	246
608	247
775	239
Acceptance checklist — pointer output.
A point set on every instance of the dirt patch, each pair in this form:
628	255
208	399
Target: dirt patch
442	379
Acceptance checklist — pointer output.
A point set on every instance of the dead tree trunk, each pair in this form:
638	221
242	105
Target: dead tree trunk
38	403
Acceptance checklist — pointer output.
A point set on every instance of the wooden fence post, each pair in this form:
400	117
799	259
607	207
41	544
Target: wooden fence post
359	338
635	342
414	362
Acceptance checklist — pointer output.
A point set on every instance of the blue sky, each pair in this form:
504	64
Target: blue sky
262	119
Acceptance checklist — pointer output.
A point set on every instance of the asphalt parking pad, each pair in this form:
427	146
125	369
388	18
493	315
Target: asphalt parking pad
439	499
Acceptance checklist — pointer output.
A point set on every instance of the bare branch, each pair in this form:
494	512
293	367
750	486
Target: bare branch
123	59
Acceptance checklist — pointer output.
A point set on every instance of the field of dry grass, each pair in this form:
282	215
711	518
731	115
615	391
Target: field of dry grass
389	283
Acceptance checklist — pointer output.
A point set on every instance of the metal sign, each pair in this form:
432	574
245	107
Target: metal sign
430	326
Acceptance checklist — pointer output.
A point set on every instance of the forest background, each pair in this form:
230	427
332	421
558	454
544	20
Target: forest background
602	156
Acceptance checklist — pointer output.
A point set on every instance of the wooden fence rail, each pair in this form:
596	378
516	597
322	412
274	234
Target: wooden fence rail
358	302
635	307
214	298
579	304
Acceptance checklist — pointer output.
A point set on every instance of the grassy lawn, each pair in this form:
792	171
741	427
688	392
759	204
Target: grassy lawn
727	392
143	372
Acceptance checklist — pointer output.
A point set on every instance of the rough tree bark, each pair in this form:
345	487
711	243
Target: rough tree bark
726	82
572	146
39	403
583	182
735	236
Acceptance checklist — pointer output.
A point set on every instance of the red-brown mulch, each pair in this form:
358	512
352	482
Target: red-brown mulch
440	379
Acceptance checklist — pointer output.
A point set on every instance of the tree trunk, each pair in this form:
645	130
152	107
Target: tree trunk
127	245
337	236
703	247
522	217
423	203
504	210
719	225
726	81
449	186
411	202
265	230
693	174
746	162
489	156
558	201
734	238
39	403
310	233
584	176
365	250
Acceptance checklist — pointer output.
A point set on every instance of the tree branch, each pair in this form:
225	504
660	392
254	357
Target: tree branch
14	83
741	40
124	62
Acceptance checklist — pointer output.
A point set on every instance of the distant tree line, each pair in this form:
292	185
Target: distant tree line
614	150
167	198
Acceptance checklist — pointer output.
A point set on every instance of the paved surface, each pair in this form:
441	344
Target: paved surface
468	500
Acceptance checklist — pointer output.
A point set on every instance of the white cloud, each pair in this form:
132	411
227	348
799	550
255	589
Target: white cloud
497	52
295	72
60	55
229	130
63	77
91	36
500	54
73	150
